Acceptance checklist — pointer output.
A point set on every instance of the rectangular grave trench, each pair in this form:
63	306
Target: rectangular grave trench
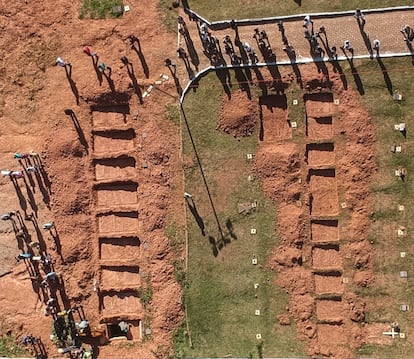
111	115
118	222
330	310
320	154
319	128
324	231
119	248
117	329
120	277
108	114
326	258
113	141
324	192
332	334
319	97
329	284
116	303
114	168
318	104
274	123
116	194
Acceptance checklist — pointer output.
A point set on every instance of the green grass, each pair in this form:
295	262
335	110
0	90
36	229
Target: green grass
219	285
215	10
220	294
99	9
168	14
386	295
9	348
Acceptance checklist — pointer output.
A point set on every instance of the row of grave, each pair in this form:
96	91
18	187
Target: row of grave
116	208
320	157
324	208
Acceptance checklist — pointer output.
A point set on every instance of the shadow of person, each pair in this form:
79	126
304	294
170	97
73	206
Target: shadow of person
78	128
141	57
260	81
193	209
243	53
242	81
230	229
41	168
95	60
109	79
22	199
134	81
213	243
224	76
56	240
32	200
68	70
355	74
192	52
367	41
387	78
39	234
411	49
173	70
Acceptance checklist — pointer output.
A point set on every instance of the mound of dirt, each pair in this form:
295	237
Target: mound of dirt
279	167
238	116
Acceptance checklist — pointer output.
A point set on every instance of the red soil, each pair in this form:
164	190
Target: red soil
34	95
238	115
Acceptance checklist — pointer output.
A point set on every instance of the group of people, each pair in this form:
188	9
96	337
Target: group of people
318	46
28	160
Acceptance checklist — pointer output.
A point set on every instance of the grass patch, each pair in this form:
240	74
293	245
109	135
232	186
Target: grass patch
10	348
99	9
220	296
168	14
215	10
388	292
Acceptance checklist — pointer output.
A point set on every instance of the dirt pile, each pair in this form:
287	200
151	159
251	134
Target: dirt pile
309	259
238	115
35	94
